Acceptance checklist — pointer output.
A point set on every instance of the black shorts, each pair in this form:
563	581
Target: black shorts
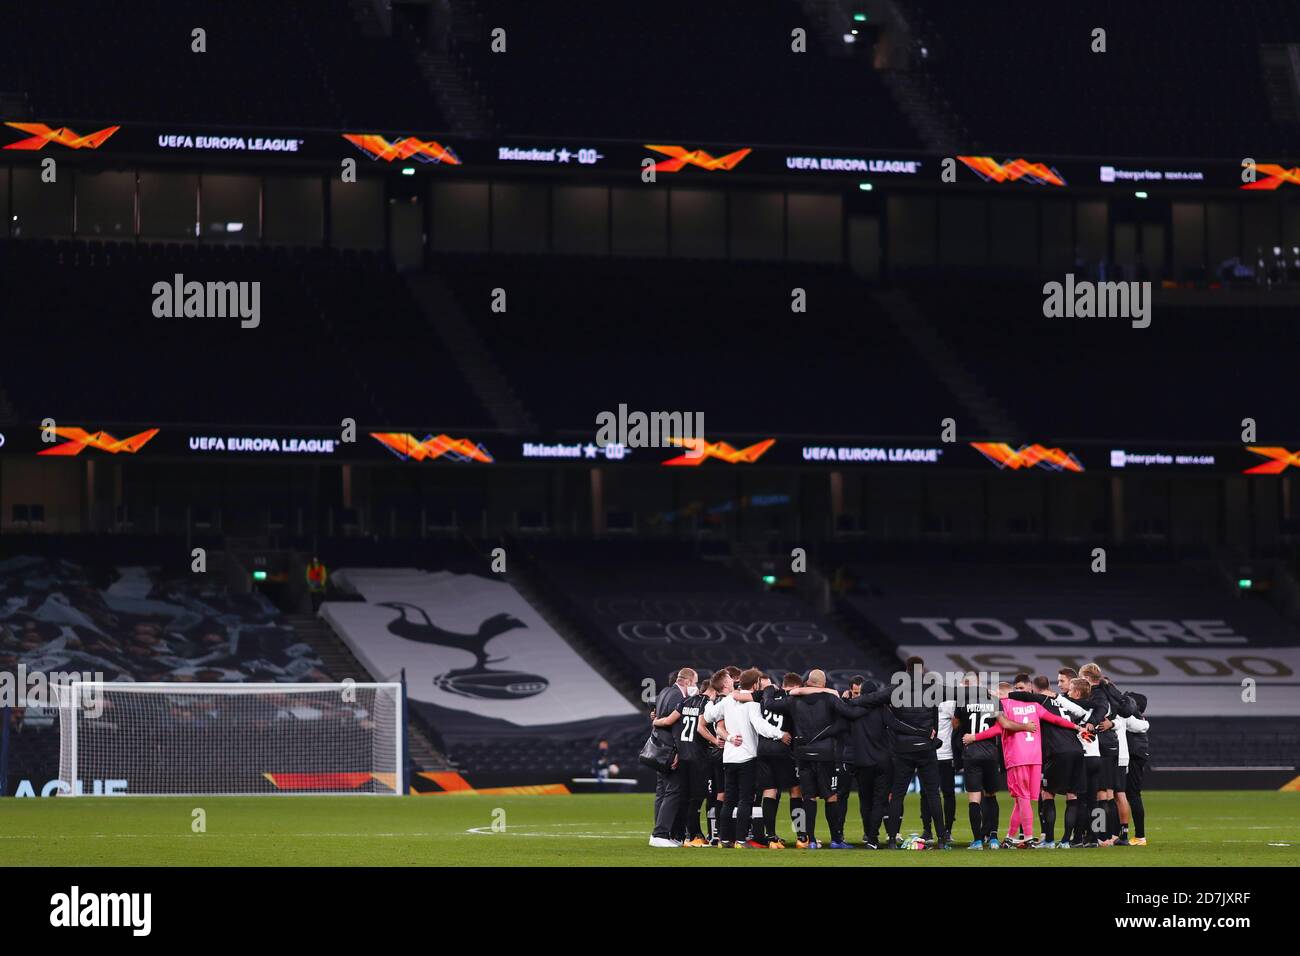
848	777
819	778
1063	773
1091	776
716	776
1108	771
776	773
984	776
1121	779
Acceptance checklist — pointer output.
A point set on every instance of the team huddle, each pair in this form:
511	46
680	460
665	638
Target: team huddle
741	741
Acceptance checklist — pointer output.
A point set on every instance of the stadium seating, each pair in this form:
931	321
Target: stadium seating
536	760
578	625
712	337
657	606
129	623
1178	78
1101	378
858	377
696	73
1177	631
1219	742
133	623
343	318
313	67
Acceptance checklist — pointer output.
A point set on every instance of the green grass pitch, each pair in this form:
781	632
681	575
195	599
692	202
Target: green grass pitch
1249	828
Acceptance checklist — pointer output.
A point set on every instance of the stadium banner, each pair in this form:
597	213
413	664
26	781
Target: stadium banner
422	446
191	442
995	623
1178	682
30	141
656	632
468	645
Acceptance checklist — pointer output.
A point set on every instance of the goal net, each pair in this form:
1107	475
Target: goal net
189	738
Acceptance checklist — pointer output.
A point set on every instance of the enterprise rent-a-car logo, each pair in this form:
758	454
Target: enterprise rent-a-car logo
1112	174
1124	459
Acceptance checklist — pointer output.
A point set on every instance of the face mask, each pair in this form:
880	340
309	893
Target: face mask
692	690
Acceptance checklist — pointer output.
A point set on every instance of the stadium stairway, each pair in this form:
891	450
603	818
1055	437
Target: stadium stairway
342	664
447	70
457	96
476	365
925	109
1281	82
990	417
7	413
913	92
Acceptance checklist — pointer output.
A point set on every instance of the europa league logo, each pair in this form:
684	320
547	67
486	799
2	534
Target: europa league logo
479	681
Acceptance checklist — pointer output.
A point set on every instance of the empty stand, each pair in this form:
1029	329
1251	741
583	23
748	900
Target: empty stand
1194	374
577	70
273	62
339	337
658	607
1179	77
582	335
1178	632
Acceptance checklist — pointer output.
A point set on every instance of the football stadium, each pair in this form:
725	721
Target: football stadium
478	433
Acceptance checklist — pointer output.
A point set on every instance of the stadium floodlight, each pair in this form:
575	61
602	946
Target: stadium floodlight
176	738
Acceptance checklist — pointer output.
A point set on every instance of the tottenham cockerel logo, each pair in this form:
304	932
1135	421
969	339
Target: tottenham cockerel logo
480	681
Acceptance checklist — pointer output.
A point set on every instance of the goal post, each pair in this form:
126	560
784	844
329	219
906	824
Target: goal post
230	739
